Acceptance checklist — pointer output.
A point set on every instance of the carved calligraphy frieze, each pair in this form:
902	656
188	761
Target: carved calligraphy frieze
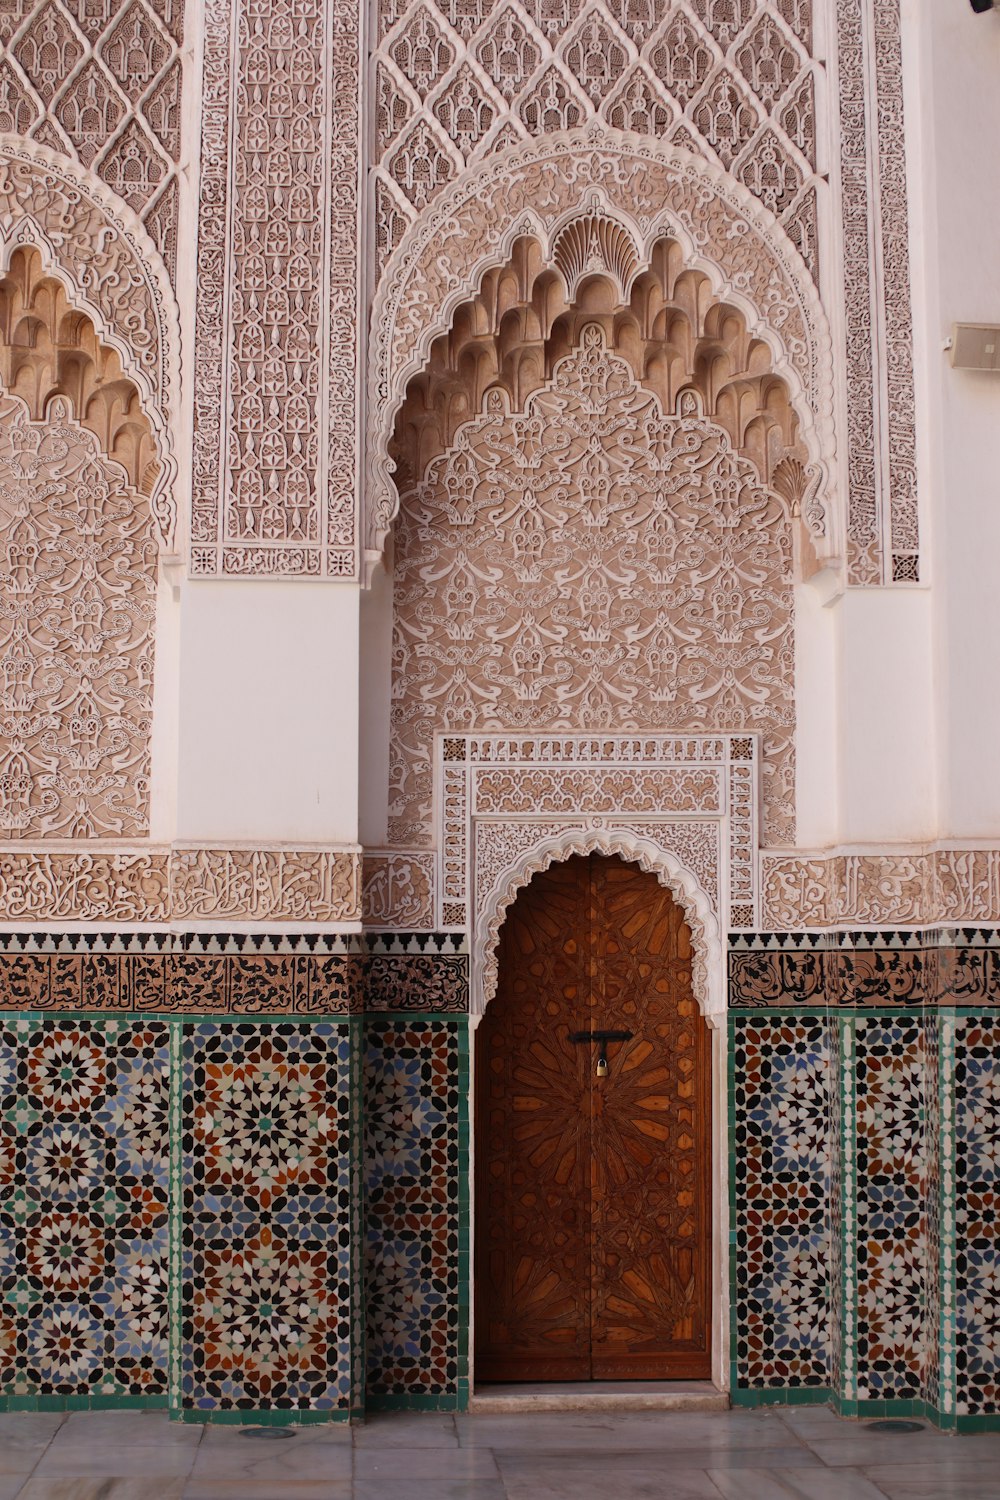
398	890
180	885
922	886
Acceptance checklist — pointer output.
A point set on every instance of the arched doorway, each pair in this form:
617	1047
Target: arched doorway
593	1154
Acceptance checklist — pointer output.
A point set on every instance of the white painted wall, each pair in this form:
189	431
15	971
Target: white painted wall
376	688
952	61
268	712
885	730
817	767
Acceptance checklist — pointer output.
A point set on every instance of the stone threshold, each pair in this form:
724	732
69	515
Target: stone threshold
600	1395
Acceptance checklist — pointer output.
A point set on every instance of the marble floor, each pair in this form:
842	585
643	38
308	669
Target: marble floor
802	1453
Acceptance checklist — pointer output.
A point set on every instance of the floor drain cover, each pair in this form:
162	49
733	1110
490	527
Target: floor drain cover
891	1426
269	1434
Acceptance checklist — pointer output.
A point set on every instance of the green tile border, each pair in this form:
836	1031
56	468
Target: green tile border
463	1037
253	1416
359	1216
947	1289
846	1104
84	1403
864	1410
452	1402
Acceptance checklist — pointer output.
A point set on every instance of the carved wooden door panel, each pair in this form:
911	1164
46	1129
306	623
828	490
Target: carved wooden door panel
593	1226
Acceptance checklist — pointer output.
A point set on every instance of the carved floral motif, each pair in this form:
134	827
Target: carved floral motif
590	563
277	313
78	562
882	532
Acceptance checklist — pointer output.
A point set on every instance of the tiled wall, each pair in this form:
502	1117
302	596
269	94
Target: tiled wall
182	1195
781	1190
84	1167
265	1217
865	1112
416	1283
263	1208
976	1198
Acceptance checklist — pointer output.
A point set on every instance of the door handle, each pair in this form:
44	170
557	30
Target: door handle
602	1038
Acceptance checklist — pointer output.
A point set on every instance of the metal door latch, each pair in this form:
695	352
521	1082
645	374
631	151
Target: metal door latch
602	1038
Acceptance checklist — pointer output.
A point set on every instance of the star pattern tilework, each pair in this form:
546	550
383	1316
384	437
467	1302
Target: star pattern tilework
84	1169
977	1195
932	1383
782	1163
891	1195
266	1214
413	1170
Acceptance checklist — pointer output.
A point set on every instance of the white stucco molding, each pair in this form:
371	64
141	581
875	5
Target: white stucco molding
99	250
652	188
708	976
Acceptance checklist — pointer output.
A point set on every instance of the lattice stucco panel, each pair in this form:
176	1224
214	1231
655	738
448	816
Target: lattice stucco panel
455	83
100	81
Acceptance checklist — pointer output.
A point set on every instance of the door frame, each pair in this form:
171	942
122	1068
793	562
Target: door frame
683	806
626	845
709	991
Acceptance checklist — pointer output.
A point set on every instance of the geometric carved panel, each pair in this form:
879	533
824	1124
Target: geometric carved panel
277	314
100	81
454	84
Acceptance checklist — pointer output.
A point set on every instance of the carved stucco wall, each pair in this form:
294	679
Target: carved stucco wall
100	82
78	561
732	80
78	571
96	250
277	331
590	563
743	87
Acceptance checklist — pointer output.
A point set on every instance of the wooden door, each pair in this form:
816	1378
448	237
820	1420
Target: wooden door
593	1228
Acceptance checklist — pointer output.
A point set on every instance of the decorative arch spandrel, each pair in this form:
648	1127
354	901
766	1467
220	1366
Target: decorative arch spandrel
708	980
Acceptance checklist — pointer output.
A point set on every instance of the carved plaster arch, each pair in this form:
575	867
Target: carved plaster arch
707	973
655	189
98	249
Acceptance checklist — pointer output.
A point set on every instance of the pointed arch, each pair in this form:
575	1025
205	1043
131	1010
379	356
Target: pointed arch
708	980
97	249
653	190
